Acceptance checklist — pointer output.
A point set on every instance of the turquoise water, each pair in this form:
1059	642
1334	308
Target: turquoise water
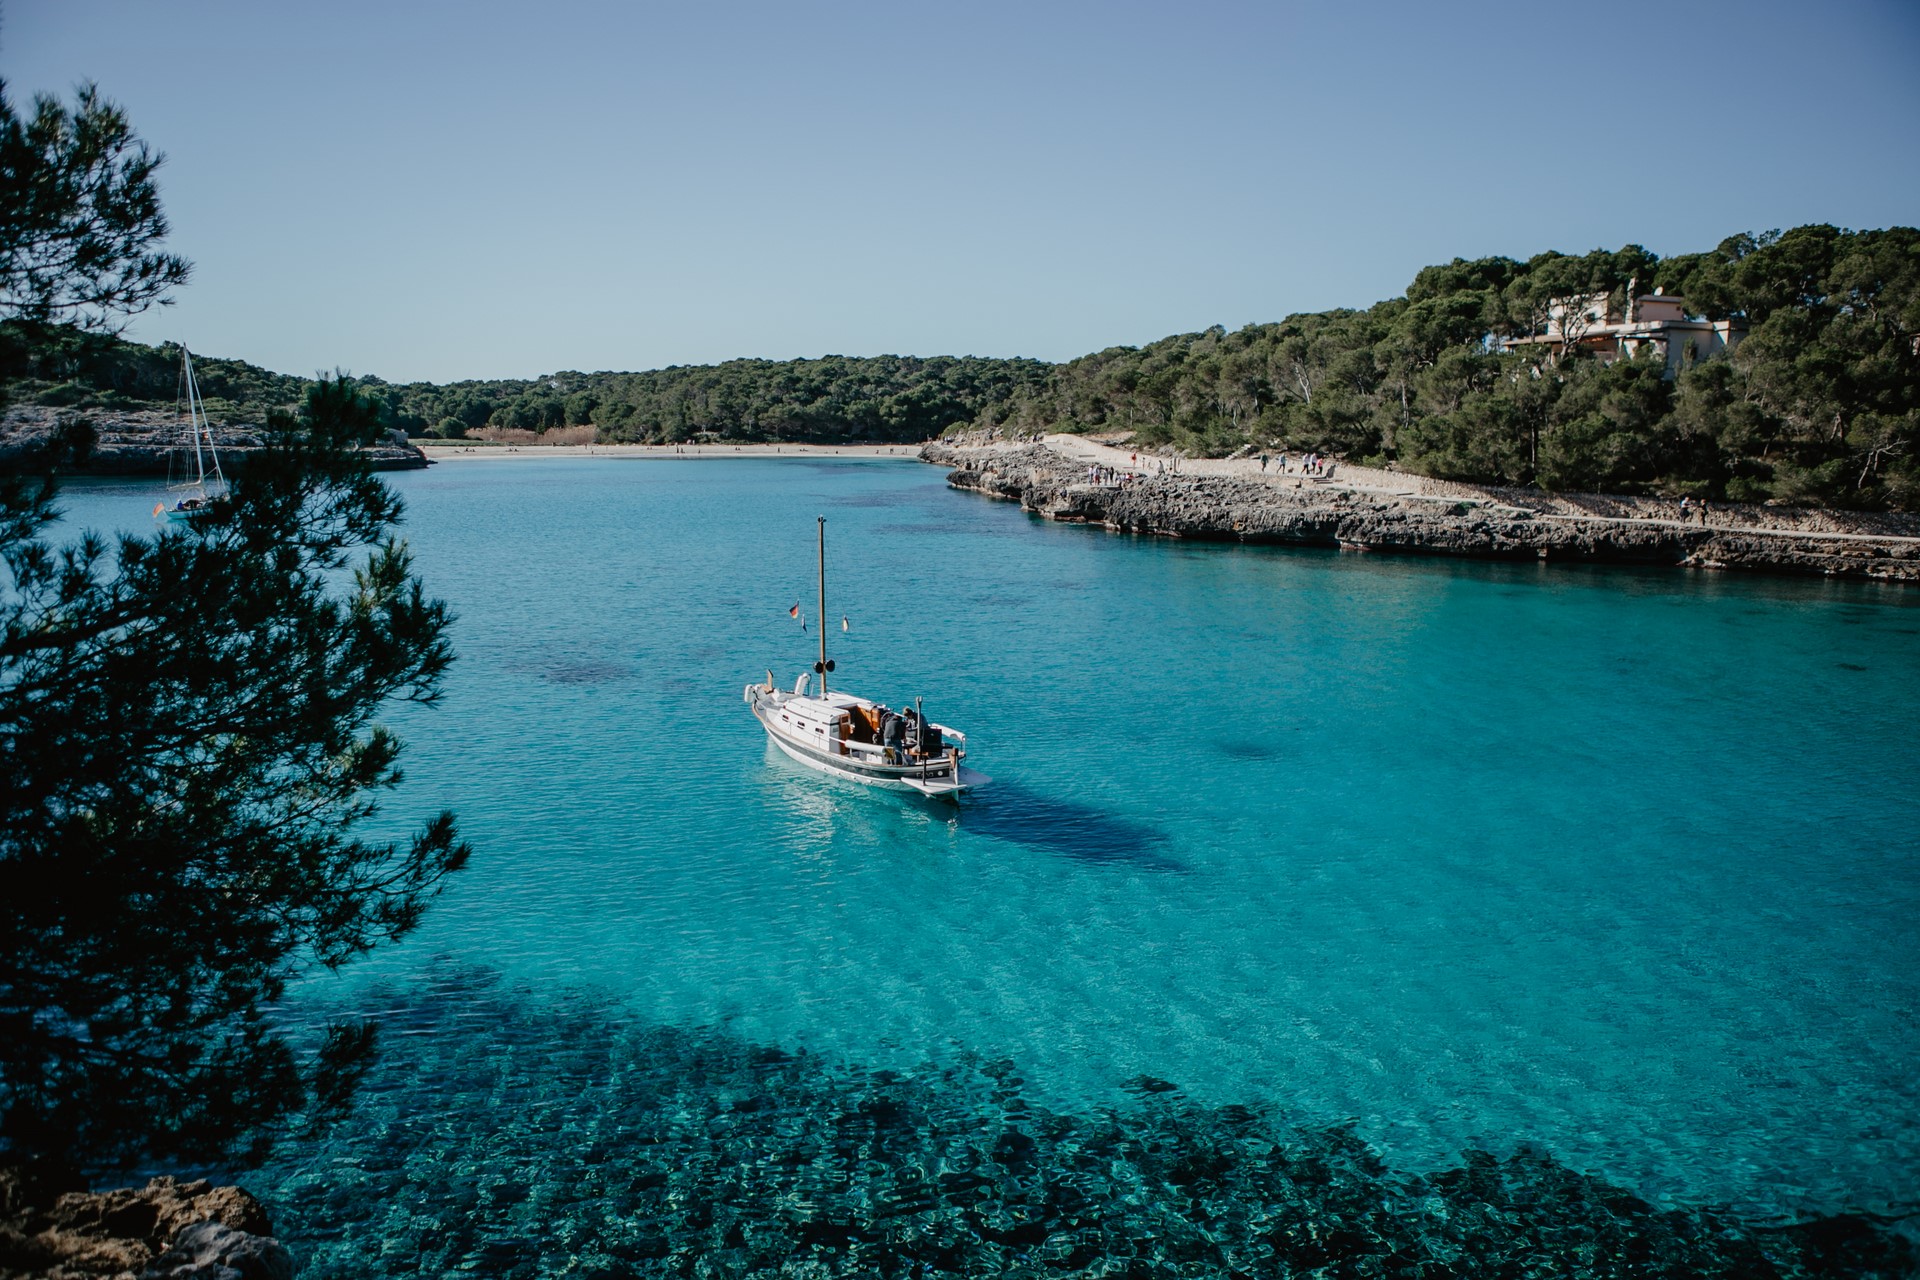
1620	865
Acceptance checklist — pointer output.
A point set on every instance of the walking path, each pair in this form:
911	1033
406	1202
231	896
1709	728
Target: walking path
1541	506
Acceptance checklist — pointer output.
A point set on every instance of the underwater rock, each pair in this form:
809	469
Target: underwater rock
636	1156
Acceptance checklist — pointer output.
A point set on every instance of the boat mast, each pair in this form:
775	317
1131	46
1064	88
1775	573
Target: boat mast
822	615
206	425
193	422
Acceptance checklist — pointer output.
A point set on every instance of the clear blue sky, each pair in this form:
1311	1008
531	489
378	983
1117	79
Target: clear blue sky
451	190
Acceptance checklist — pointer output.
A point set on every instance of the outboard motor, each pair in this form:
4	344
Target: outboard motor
929	738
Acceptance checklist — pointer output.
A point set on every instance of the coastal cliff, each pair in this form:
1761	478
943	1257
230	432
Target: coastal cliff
1407	515
144	443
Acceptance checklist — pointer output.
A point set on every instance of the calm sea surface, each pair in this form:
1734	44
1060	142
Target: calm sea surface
1619	864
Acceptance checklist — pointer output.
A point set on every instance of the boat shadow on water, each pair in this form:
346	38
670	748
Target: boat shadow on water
1008	811
1003	811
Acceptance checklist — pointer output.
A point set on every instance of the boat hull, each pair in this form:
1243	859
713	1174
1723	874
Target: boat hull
931	779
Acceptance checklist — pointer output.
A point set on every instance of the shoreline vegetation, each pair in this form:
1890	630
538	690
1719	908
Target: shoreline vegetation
1778	368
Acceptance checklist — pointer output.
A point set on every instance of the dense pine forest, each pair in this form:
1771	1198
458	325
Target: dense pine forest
1817	403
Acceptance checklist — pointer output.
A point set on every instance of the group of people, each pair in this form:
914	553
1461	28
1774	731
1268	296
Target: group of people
1691	507
905	734
1309	464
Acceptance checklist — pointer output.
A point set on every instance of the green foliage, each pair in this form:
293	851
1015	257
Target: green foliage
1819	404
79	216
834	399
188	743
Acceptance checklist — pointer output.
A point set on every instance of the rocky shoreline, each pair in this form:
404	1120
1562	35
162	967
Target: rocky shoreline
1460	520
144	443
166	1230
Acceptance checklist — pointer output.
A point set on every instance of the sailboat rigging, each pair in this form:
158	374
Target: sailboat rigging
197	494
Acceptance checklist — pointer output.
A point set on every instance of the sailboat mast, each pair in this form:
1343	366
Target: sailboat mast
193	420
206	426
822	615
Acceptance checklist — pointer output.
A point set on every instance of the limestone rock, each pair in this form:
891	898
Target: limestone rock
1492	525
214	1251
179	1230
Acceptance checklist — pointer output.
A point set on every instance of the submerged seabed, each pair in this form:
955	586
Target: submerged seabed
568	1141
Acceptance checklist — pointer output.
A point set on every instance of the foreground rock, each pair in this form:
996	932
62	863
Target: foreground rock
1485	524
152	444
177	1230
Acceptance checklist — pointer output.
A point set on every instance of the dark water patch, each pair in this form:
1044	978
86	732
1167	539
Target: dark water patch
519	1137
913	529
1000	600
1011	812
1241	749
586	672
876	498
1849	666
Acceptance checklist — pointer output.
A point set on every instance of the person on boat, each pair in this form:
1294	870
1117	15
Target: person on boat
893	735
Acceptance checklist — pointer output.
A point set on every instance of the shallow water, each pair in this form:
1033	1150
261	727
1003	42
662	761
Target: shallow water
1618	864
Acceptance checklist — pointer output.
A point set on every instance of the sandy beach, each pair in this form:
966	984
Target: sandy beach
454	452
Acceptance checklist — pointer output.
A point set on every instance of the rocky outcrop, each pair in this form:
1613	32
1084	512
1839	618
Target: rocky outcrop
1487	524
166	1229
152	444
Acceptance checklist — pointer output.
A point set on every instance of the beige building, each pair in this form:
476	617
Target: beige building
1592	324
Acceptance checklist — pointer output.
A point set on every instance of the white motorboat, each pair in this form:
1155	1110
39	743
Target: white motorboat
852	737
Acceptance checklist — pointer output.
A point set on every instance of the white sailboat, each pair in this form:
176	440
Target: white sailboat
195	496
852	737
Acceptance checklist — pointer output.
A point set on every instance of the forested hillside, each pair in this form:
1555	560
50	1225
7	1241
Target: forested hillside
893	398
1819	404
899	398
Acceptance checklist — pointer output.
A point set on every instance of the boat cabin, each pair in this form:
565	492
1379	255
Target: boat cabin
842	724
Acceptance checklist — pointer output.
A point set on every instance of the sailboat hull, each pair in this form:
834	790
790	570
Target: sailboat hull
940	777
